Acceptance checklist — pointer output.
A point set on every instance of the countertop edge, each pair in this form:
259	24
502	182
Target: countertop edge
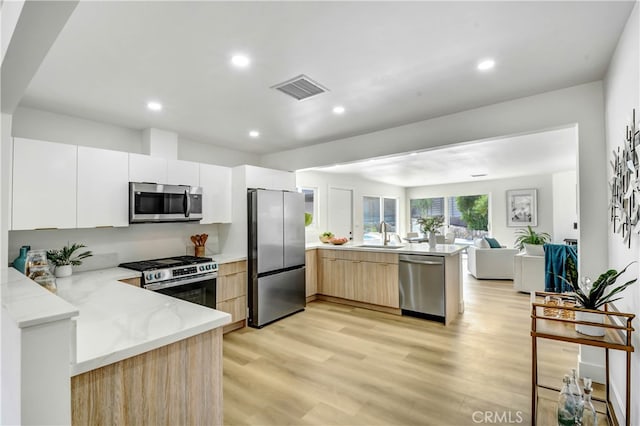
416	249
113	357
29	304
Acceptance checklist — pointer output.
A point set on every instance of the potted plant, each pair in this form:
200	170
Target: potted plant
594	295
526	238
430	226
63	258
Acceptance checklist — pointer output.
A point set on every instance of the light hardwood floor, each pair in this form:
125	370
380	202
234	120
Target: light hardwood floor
338	365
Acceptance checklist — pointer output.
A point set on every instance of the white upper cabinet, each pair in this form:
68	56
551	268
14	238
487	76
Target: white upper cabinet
260	177
44	185
183	173
145	168
103	188
216	189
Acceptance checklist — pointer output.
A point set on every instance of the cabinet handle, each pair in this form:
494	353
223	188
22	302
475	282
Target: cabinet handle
45	229
103	226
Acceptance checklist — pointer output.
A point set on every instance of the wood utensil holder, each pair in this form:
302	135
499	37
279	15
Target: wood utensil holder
199	251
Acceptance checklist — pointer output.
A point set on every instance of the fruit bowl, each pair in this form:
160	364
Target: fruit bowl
338	241
326	237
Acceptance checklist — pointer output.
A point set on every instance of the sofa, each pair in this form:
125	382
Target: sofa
529	273
491	263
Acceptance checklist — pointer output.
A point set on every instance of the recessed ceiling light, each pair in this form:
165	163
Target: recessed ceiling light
154	106
338	109
240	61
413	153
486	64
254	133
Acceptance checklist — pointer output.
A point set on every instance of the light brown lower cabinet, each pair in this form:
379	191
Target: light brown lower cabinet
359	276
311	272
231	290
177	384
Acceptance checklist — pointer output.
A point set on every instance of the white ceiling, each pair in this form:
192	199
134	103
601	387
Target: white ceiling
540	153
388	63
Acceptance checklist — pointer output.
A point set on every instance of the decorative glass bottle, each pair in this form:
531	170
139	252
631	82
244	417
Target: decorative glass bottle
567	404
589	414
20	262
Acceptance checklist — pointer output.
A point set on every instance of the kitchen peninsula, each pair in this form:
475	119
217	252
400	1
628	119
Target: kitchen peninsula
366	275
101	351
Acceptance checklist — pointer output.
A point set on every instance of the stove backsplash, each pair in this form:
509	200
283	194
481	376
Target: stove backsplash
112	246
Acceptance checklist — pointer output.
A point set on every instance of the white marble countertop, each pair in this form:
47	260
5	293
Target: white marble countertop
117	321
30	304
223	258
405	248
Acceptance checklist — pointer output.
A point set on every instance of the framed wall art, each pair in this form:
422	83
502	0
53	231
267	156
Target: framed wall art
522	207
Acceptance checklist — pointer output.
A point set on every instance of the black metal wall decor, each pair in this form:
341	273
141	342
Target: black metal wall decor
625	184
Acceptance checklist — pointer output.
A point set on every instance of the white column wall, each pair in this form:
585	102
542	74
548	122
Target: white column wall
622	95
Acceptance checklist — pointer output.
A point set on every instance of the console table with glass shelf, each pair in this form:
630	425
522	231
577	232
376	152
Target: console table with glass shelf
549	321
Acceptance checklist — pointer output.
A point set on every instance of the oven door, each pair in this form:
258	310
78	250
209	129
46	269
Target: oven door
150	202
201	290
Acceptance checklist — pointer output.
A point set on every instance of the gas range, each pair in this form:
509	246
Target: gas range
173	270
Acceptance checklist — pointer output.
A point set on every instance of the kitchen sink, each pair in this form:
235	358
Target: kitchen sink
379	246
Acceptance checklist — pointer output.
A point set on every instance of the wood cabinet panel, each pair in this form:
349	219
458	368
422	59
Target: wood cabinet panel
44	184
311	272
378	284
236	307
180	383
232	268
231	286
359	276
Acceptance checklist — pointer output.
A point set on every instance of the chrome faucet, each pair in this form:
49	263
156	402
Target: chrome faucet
383	231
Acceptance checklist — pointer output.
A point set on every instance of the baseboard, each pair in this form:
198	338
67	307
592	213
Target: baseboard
311	298
379	308
233	326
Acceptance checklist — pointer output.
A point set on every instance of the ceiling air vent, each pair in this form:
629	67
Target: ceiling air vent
300	87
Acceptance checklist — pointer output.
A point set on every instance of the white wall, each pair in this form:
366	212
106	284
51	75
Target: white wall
565	209
622	94
116	245
498	201
48	126
361	187
582	105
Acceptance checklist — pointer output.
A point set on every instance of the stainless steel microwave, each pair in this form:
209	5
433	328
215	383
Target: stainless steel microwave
151	202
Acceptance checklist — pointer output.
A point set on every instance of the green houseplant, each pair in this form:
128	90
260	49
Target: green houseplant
529	236
430	224
64	258
594	295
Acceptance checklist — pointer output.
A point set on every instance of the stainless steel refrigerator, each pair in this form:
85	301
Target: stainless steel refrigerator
276	255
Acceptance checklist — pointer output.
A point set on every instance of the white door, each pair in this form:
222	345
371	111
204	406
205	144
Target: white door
341	212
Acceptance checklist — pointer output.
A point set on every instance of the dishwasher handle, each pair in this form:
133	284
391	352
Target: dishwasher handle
421	262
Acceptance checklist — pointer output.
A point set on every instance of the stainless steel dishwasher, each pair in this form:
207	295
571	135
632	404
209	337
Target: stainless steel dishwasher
422	286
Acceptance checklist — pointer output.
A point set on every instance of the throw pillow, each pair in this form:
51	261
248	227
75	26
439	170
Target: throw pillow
493	243
481	243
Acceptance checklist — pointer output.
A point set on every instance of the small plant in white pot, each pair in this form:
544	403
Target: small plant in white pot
594	295
63	259
531	241
430	227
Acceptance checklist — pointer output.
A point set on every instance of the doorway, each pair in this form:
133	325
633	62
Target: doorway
341	212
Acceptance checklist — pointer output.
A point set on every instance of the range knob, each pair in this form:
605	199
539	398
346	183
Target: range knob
158	275
202	268
208	267
149	277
